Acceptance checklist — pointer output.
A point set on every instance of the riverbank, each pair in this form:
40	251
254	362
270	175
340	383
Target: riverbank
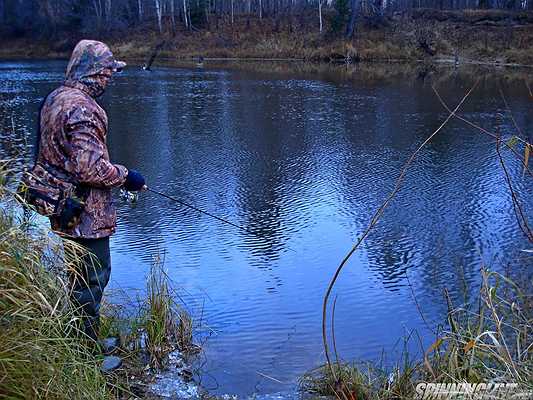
458	37
43	354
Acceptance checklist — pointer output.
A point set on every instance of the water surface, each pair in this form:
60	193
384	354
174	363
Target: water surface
302	159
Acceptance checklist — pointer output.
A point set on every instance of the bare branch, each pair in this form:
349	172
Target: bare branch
376	217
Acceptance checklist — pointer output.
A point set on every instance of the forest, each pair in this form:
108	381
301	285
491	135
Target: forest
48	18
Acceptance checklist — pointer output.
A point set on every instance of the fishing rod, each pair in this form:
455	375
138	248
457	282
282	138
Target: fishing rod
182	203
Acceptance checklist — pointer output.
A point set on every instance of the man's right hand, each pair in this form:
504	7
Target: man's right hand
134	181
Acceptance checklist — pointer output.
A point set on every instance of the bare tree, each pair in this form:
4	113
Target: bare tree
185	19
98	12
49	10
140	9
107	10
159	13
172	16
350	28
320	13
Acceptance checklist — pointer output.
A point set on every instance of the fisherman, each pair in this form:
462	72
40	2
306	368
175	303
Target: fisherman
72	178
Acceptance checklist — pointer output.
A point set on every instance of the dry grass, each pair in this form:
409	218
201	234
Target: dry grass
151	327
43	354
490	340
168	327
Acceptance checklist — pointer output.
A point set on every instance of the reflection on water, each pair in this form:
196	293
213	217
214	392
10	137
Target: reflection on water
302	156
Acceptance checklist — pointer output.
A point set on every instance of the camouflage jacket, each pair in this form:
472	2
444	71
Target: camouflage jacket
73	130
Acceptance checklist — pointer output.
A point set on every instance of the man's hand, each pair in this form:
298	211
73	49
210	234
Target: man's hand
134	181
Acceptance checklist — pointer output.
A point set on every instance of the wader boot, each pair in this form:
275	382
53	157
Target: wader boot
87	288
89	281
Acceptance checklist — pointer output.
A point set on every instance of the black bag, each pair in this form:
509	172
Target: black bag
53	195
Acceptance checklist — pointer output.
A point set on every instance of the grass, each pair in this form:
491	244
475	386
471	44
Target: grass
168	327
488	341
155	325
43	354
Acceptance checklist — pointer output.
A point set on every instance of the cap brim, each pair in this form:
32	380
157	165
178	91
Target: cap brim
118	66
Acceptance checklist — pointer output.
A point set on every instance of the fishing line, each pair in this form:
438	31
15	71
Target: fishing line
182	203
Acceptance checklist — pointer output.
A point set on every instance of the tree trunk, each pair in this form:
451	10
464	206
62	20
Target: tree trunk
159	12
185	14
140	9
173	17
97	4
49	12
350	28
107	10
320	14
290	16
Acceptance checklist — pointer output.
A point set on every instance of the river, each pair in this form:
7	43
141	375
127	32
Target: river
302	157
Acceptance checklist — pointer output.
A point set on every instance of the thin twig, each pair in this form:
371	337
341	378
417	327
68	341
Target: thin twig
510	113
269	377
333	330
521	219
487	132
377	215
418	304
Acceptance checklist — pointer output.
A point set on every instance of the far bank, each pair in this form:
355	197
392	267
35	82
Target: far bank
456	37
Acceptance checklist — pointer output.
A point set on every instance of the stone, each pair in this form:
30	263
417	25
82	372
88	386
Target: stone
110	363
109	345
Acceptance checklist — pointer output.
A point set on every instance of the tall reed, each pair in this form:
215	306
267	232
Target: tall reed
168	326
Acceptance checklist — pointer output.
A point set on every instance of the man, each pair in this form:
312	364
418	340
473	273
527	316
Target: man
73	176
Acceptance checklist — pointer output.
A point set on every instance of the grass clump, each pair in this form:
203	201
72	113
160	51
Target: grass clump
168	327
357	380
488	341
155	325
42	352
150	329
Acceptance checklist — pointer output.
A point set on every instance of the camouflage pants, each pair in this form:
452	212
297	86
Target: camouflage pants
88	283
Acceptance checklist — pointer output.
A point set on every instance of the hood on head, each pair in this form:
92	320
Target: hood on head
89	61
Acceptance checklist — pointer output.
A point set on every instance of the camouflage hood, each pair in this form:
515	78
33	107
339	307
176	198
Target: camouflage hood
91	66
